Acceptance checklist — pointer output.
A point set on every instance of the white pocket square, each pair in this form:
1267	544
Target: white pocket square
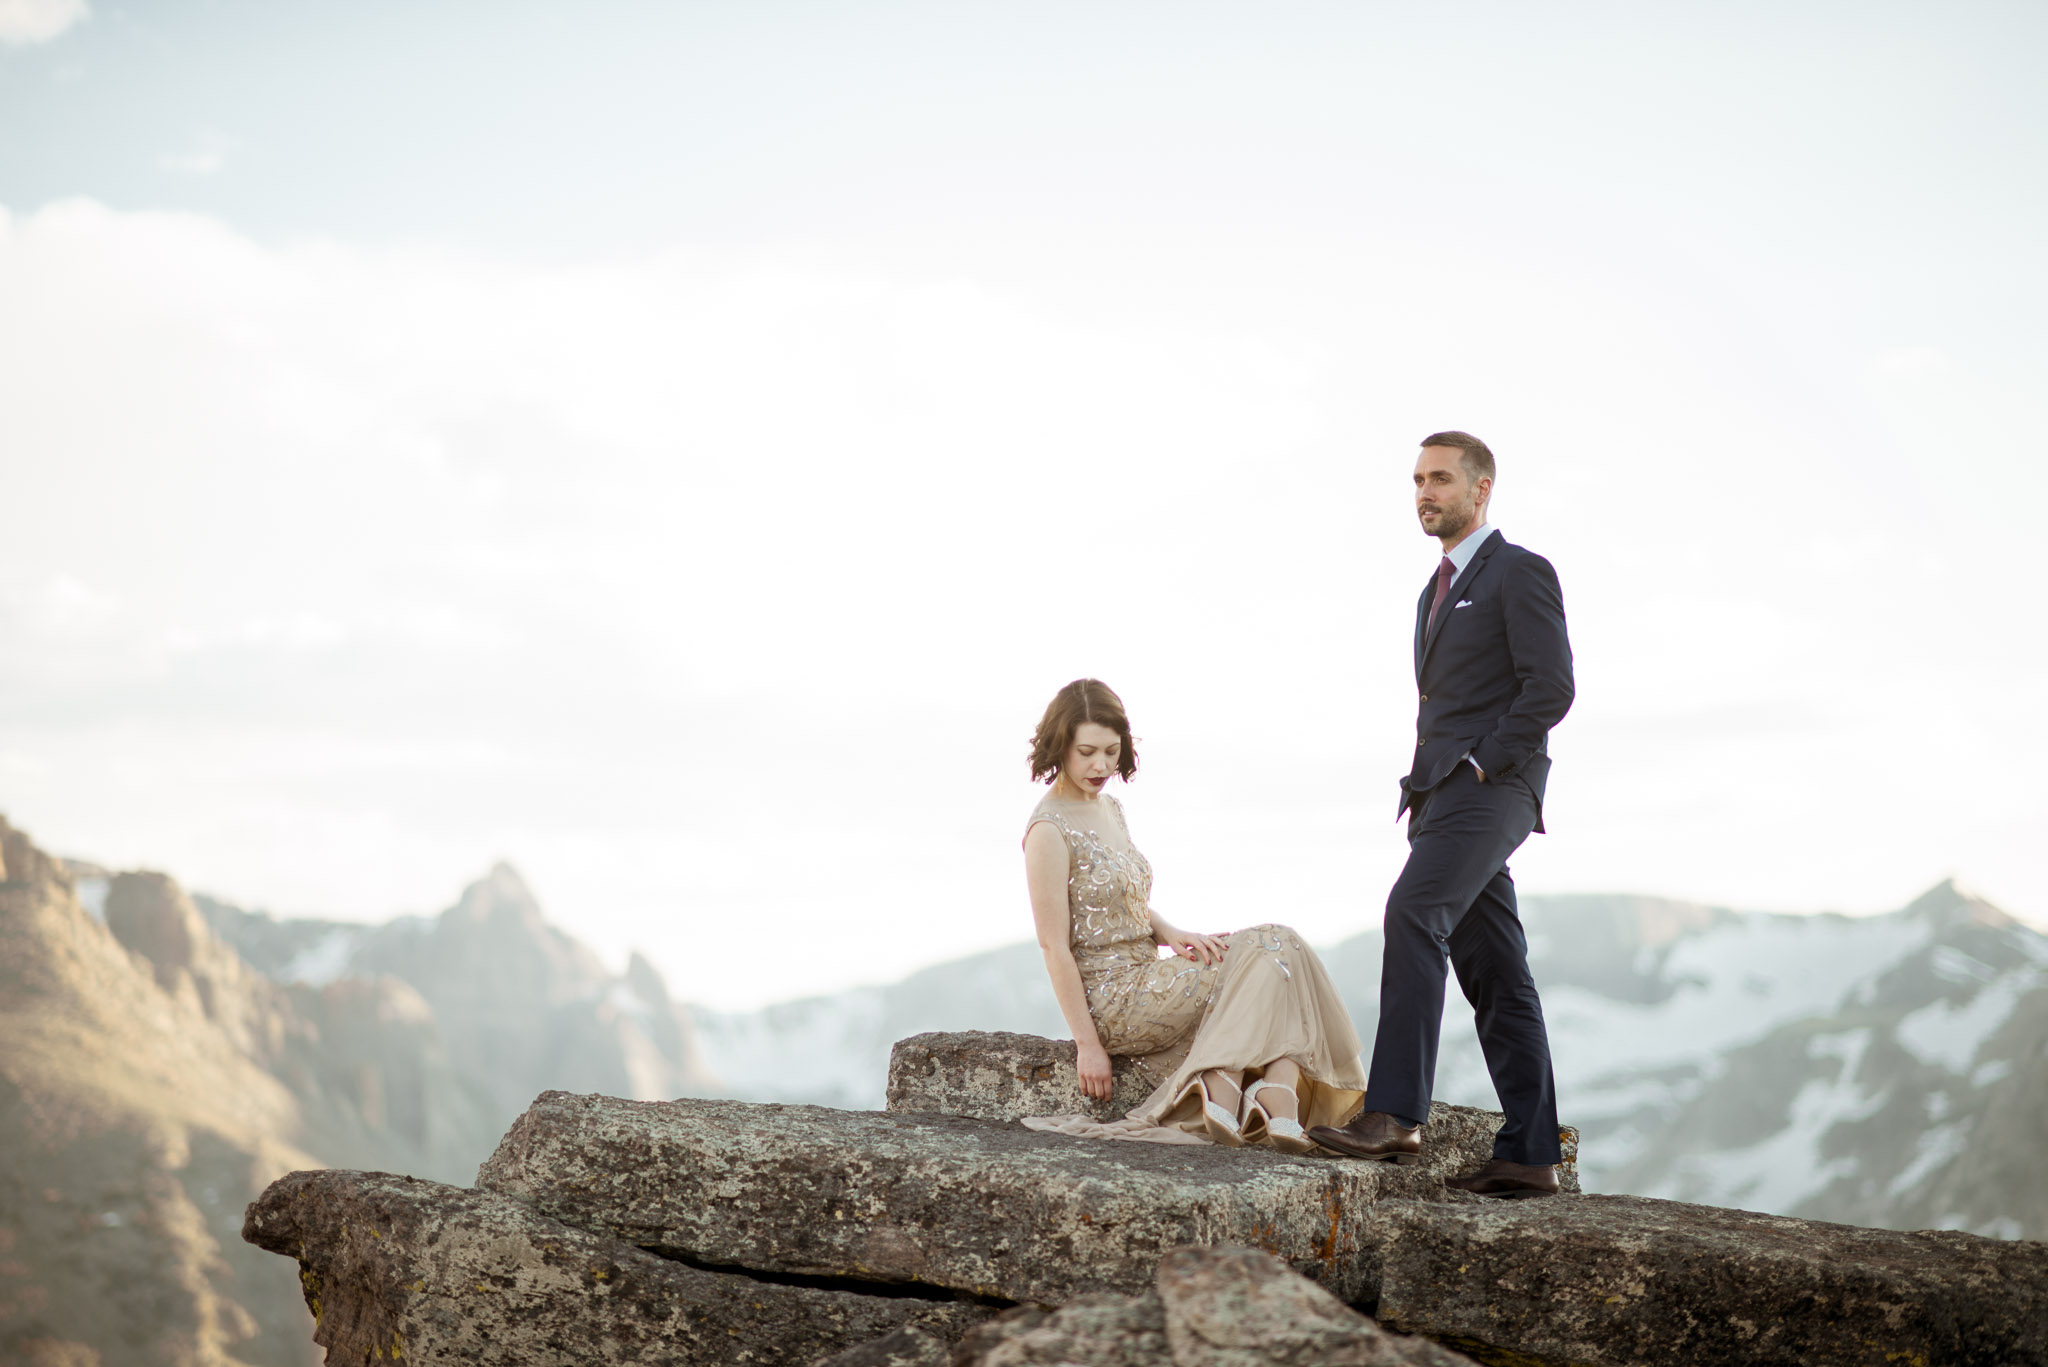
1466	604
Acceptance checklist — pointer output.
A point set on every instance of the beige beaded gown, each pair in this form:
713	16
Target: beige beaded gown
1269	999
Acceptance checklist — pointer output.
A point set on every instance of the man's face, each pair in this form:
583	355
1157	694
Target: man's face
1446	499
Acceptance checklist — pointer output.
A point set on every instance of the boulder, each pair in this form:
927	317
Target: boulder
1626	1280
395	1268
1208	1307
995	1075
985	1208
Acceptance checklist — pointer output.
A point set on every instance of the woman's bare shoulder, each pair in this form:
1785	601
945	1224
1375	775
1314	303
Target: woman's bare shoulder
1045	829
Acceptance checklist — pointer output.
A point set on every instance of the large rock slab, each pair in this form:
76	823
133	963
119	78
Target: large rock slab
996	1075
1613	1280
396	1269
1209	1307
991	1209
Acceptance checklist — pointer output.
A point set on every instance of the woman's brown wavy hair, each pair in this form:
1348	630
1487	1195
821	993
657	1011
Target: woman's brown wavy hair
1080	702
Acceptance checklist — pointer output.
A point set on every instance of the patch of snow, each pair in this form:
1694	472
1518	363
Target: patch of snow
1940	1145
2032	943
1949	1035
1995	1071
321	962
92	895
1952	965
1778	1173
1741	981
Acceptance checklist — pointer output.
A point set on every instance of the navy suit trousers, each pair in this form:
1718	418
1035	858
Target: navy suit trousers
1454	905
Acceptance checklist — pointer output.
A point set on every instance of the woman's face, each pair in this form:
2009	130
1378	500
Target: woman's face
1092	758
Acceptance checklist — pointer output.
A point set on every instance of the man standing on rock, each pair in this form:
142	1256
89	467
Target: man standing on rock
1494	668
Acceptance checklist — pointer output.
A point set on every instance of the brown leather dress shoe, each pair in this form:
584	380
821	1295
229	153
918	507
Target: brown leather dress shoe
1374	1135
1508	1181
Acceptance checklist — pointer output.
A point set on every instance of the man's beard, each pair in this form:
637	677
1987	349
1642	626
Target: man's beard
1453	522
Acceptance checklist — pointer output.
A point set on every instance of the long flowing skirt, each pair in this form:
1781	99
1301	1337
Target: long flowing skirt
1273	1000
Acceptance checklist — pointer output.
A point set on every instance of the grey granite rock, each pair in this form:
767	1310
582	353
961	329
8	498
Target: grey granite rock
913	1345
1237	1307
996	1075
399	1269
1102	1329
1614	1280
988	1208
1209	1307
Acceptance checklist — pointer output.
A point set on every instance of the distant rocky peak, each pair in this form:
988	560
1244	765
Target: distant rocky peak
495	943
1948	905
500	900
645	980
22	862
150	914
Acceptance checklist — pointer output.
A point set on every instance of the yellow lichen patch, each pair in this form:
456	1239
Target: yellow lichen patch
397	1347
603	1274
1911	1359
417	1286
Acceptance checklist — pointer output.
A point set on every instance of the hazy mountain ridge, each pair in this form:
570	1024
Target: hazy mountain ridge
519	1005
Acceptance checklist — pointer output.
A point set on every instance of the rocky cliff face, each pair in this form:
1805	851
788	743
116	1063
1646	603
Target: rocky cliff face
730	1232
134	1123
152	1080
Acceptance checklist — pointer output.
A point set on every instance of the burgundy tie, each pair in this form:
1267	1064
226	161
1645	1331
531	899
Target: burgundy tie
1444	573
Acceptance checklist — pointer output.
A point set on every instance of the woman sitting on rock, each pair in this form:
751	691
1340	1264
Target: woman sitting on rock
1244	1031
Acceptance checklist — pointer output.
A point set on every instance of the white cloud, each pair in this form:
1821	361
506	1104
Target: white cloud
720	591
38	21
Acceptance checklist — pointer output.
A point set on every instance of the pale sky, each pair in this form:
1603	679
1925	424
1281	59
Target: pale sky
680	448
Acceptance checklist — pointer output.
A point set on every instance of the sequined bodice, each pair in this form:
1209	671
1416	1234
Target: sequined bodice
1108	881
1141	1003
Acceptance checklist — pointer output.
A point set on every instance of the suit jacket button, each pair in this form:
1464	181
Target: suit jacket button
1425	697
1419	744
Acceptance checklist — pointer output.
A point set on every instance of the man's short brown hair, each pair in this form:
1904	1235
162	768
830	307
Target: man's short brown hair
1080	702
1472	453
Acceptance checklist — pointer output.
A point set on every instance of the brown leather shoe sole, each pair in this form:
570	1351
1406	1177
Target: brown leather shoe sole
1512	1193
1337	1141
1498	1187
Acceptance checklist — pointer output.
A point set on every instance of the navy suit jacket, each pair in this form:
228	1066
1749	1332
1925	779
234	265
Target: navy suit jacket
1495	672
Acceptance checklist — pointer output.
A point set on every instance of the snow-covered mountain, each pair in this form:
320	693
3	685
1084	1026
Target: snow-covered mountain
1885	1070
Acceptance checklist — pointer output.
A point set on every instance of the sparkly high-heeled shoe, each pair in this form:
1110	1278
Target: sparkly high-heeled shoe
1220	1121
1261	1126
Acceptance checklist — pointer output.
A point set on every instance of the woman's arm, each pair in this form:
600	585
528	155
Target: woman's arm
1045	871
1203	949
